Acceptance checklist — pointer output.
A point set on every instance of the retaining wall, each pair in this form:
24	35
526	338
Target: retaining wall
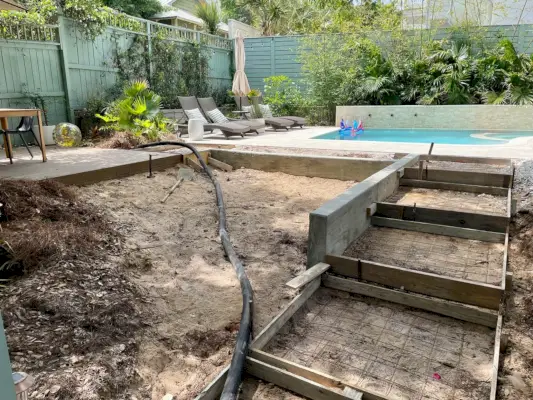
338	222
468	117
343	168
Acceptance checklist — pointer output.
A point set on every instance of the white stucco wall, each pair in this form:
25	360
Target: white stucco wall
245	29
441	117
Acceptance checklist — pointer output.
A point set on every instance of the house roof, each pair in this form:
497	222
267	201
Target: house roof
13	4
183	15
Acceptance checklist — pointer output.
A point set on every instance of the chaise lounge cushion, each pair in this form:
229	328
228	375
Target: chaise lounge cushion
195	113
217	116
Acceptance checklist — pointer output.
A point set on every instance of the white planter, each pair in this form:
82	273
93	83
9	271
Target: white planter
48	133
196	129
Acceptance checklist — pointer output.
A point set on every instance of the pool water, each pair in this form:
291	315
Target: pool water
427	136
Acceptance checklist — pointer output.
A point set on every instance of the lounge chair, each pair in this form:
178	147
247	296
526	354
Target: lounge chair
190	103
297	121
214	115
274	122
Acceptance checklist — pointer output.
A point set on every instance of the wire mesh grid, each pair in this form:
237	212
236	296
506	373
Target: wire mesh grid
443	255
398	352
450	200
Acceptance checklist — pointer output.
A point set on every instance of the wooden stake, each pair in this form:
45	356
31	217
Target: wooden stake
172	190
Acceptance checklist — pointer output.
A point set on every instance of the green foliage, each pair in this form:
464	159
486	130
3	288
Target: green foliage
354	70
210	14
254	93
137	8
138	111
232	10
283	96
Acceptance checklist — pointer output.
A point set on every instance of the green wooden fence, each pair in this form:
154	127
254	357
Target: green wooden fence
280	55
62	67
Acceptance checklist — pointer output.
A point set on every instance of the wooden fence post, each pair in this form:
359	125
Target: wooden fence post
65	72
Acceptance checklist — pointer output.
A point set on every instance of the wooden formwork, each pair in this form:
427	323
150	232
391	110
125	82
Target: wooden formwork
465	300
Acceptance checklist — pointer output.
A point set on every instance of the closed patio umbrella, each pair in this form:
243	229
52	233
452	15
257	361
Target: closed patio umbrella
240	87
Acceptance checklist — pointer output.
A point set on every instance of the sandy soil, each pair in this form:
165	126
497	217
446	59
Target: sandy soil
516	368
177	260
450	200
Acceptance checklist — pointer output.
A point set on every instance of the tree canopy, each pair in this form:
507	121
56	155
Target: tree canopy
137	8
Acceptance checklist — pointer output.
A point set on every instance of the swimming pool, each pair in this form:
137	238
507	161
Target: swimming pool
428	136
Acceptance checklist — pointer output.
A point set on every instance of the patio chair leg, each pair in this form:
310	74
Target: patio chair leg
37	140
25	144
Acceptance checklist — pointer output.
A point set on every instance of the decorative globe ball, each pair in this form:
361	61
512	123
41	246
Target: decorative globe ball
67	135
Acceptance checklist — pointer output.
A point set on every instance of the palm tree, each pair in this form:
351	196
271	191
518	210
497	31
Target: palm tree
270	15
210	14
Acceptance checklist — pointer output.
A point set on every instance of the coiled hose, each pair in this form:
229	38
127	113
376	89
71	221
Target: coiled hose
234	377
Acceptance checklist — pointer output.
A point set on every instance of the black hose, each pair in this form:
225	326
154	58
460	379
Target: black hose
233	380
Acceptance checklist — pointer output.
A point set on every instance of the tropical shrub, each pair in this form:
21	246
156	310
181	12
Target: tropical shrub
283	96
210	14
452	71
137	111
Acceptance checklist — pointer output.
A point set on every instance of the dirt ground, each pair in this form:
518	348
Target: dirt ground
396	351
450	200
444	255
194	300
516	368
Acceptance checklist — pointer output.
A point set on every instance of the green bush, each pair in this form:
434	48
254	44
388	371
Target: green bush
137	111
283	96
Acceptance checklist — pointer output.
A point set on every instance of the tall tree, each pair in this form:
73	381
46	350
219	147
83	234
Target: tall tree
137	8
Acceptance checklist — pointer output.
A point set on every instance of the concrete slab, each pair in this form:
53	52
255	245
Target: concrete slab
86	165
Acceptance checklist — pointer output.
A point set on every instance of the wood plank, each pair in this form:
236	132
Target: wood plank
463	312
277	323
352	393
465	233
482	222
496	359
465	177
460	187
309	373
307	276
214	389
461	159
463	291
510	203
219	164
194	164
505	259
371	210
290	381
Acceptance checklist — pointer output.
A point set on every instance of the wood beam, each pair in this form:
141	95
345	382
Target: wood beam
292	382
307	276
460	187
219	164
277	323
460	290
465	233
463	312
483	222
311	374
465	177
496	359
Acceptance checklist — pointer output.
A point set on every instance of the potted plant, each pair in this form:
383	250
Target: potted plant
48	130
254	96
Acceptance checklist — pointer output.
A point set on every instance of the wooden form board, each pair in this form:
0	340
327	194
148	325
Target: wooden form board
465	233
506	162
483	222
460	187
308	275
343	168
460	290
463	312
496	359
290	381
275	325
465	177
